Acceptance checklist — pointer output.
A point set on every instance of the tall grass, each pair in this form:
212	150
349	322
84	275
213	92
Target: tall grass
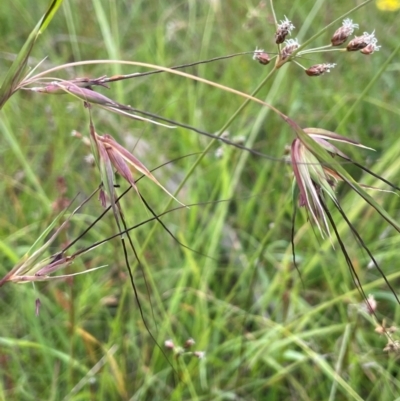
268	332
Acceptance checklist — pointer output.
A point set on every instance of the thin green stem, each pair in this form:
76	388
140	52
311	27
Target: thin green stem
271	4
313	51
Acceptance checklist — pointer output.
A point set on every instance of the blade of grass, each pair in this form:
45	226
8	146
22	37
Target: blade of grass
17	69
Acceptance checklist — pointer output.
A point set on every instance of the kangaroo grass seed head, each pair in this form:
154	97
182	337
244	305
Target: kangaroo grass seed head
72	88
111	152
319	69
341	35
109	155
284	28
314	178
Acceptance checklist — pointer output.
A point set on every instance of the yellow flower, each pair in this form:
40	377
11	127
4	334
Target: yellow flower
388	5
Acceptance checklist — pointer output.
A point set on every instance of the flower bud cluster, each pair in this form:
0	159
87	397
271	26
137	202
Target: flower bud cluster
366	44
185	349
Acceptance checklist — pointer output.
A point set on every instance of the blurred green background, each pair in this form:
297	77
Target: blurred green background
267	333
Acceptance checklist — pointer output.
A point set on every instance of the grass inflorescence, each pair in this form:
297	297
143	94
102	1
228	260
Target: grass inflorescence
275	278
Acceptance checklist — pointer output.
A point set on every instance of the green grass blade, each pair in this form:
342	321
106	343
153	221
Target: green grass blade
17	69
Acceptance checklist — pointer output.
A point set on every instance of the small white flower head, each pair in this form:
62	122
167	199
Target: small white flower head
291	46
260	56
319	69
284	28
340	36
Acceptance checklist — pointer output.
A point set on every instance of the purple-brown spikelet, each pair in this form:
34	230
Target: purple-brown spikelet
261	56
291	46
284	29
113	154
340	36
319	69
310	176
314	179
367	41
371	47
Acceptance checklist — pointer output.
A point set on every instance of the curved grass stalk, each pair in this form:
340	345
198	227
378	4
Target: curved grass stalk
249	98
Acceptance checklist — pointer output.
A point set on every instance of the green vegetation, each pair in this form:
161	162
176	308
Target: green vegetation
269	331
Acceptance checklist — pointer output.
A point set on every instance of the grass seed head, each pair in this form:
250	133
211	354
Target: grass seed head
284	29
370	48
291	46
341	35
180	351
361	42
319	69
314	178
261	56
113	155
